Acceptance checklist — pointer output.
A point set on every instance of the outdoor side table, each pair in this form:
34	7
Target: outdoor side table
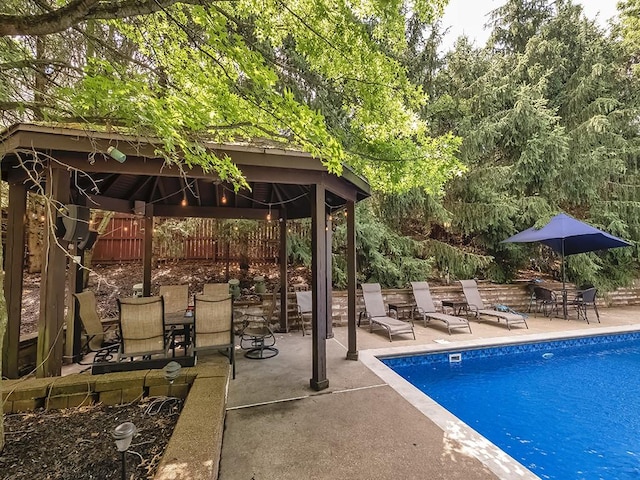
403	310
458	306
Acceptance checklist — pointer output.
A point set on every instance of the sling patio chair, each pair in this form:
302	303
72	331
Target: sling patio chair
176	300
213	326
476	306
215	289
142	330
304	302
377	314
426	308
101	335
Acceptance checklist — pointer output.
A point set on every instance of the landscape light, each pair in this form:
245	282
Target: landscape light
123	434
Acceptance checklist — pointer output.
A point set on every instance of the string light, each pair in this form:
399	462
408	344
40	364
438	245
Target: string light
269	214
184	200
223	200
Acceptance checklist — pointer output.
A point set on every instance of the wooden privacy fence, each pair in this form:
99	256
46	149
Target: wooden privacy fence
123	241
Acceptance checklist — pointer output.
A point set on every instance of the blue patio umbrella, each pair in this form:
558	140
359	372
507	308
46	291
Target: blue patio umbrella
568	236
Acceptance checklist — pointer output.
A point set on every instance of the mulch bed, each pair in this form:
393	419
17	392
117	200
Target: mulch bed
77	443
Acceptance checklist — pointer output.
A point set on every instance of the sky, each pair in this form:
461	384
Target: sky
469	16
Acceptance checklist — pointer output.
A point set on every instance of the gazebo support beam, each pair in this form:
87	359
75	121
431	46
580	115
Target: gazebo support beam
284	281
147	250
352	352
319	379
52	286
328	238
14	265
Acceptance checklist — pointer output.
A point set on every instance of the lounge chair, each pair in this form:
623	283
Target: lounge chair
426	308
476	306
101	336
377	315
213	326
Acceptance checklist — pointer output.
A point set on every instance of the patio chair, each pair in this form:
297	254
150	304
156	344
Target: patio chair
546	300
176	297
426	308
256	337
142	328
476	305
377	315
100	336
213	326
584	300
215	289
176	300
304	308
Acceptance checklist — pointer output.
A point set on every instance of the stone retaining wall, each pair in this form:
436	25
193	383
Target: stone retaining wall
202	416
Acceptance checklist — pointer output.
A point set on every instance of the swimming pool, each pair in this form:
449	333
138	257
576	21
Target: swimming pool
564	409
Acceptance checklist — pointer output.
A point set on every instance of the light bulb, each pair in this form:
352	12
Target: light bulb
223	200
184	202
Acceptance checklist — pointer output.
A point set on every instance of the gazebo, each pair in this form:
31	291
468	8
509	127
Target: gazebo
100	169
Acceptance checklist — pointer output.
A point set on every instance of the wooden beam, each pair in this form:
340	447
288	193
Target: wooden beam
147	250
352	347
284	281
319	379
328	239
14	267
109	203
52	285
178	211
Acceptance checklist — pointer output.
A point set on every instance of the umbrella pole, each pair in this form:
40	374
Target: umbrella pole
564	287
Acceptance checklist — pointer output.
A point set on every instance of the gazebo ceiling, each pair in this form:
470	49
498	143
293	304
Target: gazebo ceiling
280	179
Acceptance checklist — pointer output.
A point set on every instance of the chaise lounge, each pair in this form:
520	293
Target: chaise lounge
426	308
476	306
377	315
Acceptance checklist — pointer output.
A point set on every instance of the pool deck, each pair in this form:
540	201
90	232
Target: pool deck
361	427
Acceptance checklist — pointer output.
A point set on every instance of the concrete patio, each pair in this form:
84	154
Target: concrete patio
360	427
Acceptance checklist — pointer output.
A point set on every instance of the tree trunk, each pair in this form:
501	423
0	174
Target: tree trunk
35	217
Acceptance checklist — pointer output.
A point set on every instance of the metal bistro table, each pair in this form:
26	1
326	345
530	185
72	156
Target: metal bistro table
174	321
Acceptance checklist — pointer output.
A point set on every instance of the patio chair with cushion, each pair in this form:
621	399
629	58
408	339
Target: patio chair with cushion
476	306
100	335
142	328
304	308
377	314
584	300
426	308
213	326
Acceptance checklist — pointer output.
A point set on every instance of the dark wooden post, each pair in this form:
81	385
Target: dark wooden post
284	281
14	266
319	379
328	238
51	321
147	250
352	352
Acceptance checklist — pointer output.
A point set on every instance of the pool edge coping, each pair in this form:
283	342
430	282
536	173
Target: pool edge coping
472	443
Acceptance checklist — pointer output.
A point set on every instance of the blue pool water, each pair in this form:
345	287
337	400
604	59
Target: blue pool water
566	409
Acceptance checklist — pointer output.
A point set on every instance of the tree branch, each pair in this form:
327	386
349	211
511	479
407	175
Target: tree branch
77	11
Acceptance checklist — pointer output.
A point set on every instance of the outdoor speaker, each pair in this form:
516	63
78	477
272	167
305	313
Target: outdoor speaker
75	223
88	242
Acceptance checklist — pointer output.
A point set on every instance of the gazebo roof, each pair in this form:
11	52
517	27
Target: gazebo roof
280	178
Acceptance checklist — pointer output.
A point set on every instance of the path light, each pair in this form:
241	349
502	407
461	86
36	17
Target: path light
123	434
172	371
